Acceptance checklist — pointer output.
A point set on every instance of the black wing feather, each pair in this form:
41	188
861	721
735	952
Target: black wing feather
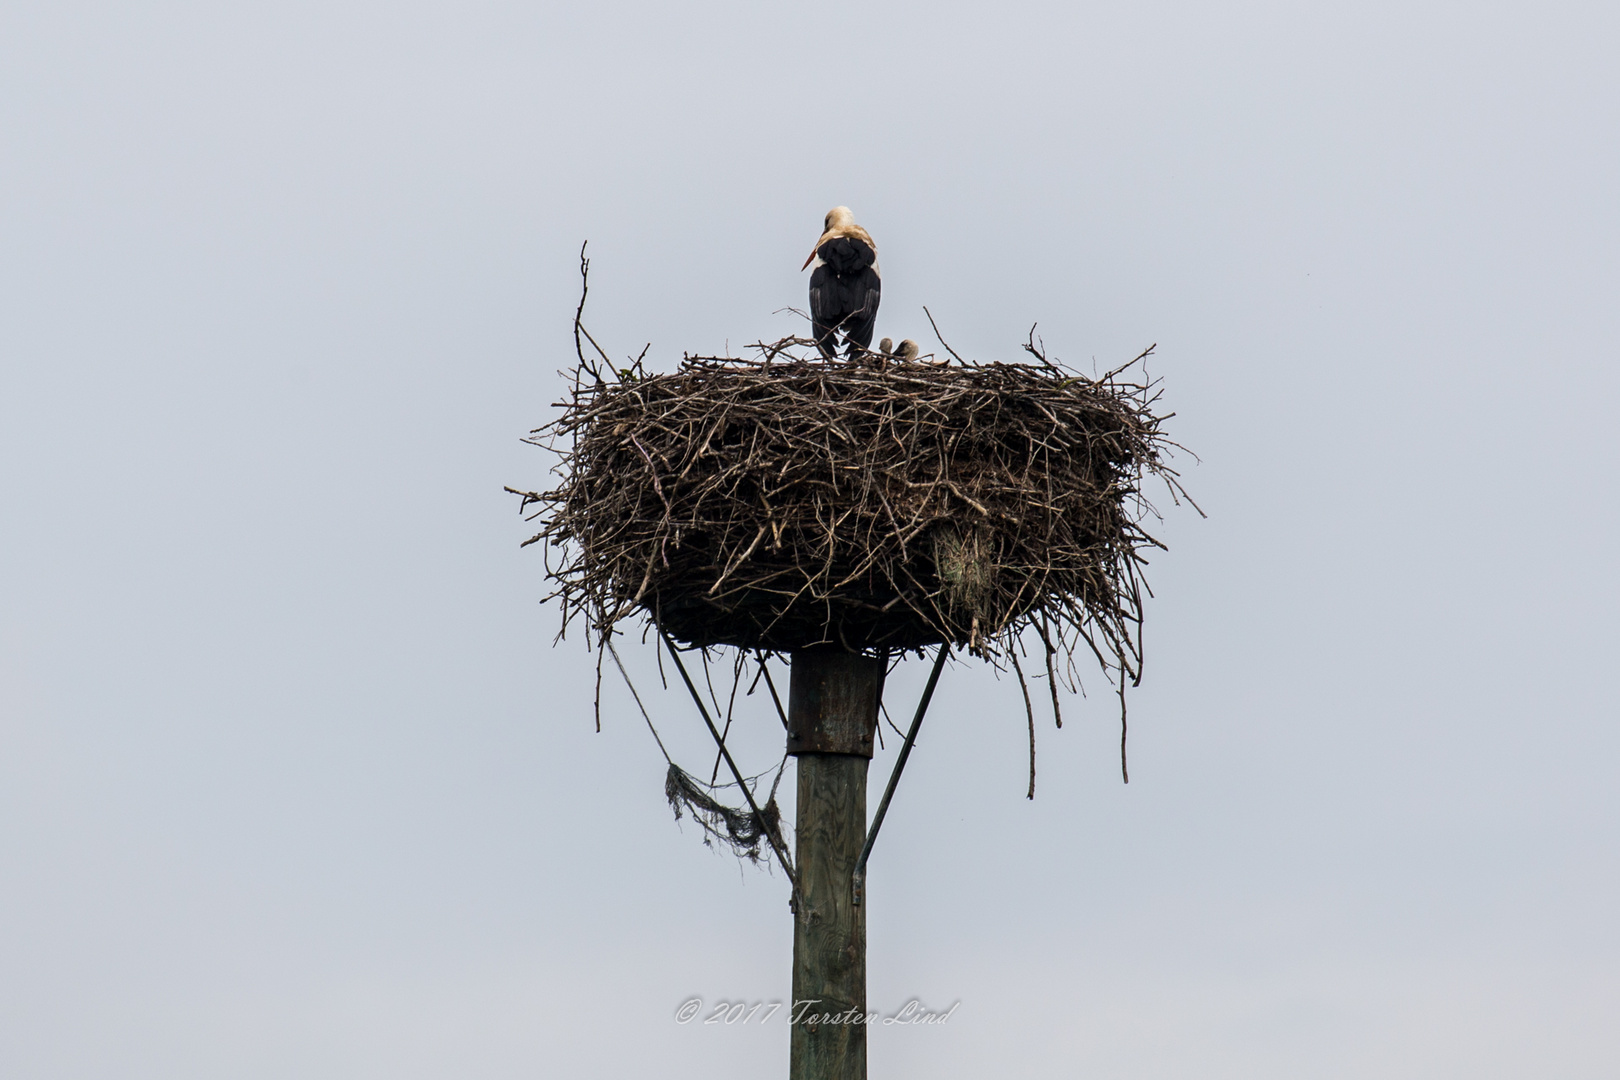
844	294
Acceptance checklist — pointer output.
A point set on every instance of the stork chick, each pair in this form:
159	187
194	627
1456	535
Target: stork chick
845	285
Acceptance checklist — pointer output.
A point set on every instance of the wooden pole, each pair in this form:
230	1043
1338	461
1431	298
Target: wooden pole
832	717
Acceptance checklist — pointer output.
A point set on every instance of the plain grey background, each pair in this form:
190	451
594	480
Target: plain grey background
293	781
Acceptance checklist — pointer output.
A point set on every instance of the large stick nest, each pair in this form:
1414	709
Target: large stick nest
784	500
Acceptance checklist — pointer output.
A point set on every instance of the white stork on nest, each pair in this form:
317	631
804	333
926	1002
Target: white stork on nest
845	285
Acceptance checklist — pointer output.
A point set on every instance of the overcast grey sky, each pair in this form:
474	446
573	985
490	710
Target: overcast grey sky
294	783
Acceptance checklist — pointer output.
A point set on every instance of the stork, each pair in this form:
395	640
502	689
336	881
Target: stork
844	286
905	352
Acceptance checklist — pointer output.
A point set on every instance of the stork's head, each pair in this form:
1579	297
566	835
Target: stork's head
838	217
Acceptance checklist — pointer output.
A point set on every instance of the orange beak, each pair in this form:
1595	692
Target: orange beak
811	259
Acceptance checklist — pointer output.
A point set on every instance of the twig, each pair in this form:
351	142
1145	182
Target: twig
1038	353
1051	675
1029	708
942	340
1124	729
626	676
579	313
731	706
599	684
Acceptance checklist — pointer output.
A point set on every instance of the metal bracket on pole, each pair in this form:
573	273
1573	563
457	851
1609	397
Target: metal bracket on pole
894	777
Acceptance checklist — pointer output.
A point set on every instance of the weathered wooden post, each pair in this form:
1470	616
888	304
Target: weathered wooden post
832	716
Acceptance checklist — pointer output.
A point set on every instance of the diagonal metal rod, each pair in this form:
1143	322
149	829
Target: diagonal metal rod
775	698
894	777
770	833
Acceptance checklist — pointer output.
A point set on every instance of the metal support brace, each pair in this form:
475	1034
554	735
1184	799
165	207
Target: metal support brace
894	777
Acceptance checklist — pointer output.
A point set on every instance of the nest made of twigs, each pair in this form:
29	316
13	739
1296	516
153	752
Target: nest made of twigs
784	500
